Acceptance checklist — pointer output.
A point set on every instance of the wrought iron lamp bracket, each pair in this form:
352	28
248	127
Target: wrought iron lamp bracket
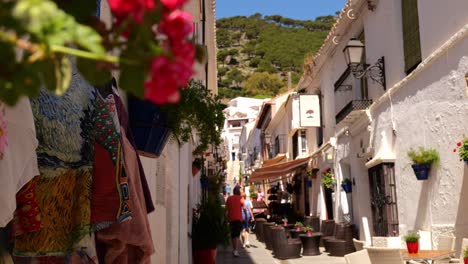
376	71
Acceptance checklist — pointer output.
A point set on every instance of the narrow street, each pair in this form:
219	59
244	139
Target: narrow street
258	254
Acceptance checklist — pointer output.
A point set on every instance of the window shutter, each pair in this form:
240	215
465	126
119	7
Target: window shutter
411	38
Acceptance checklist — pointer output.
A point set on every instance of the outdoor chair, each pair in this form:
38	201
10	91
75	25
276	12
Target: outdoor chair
459	260
358	244
285	248
259	228
445	243
358	257
327	229
342	243
425	242
383	255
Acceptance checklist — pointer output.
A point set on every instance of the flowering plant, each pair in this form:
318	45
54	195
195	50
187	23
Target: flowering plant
151	36
462	149
328	178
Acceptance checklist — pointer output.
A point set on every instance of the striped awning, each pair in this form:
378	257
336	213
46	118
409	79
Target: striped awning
278	169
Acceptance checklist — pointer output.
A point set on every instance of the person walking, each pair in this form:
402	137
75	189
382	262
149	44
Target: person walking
234	205
247	217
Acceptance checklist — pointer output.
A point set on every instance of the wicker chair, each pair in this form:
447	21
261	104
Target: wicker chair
358	244
358	257
342	243
267	235
327	229
380	255
285	248
259	228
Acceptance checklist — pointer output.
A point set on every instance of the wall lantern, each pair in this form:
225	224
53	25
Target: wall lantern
353	53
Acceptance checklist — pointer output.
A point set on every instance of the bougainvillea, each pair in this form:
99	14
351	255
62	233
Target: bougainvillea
153	36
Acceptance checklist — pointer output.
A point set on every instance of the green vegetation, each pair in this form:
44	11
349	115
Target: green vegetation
423	156
412	237
265	46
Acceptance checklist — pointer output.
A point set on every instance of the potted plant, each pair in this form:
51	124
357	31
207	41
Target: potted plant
253	196
285	221
423	159
462	149
308	230
298	226
209	229
412	242
347	185
328	179
465	255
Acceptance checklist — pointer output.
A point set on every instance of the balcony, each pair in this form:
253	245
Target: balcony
352	111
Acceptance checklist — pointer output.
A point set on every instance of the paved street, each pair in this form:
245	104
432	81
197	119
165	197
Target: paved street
257	254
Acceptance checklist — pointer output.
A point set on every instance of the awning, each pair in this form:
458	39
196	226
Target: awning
278	170
279	158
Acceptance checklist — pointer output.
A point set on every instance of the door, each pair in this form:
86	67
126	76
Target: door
383	199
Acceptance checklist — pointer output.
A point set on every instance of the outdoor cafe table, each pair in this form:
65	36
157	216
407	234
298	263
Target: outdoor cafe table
310	244
427	255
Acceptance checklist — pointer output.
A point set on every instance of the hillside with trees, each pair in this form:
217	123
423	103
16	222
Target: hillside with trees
257	55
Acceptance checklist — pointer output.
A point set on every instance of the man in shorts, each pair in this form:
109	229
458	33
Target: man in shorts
234	205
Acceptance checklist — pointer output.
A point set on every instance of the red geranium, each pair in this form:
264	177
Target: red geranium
177	25
173	4
135	9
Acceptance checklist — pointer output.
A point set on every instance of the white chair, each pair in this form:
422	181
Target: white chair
445	243
394	242
367	236
358	257
463	246
358	244
382	255
378	241
425	242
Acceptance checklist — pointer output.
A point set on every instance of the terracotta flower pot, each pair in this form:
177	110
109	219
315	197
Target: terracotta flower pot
204	256
412	247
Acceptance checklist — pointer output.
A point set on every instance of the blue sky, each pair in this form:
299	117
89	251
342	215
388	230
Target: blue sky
296	9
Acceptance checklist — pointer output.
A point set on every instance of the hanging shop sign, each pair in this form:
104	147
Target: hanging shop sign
309	106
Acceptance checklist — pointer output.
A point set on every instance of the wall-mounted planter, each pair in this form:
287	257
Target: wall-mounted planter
347	187
421	171
149	127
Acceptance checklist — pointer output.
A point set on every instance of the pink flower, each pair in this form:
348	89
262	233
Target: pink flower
162	87
167	75
3	135
454	150
177	25
134	8
173	4
459	144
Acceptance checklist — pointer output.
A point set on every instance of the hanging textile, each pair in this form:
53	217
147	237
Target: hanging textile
129	241
18	160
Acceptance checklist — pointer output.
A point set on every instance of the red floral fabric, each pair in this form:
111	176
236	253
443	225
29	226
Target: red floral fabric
27	216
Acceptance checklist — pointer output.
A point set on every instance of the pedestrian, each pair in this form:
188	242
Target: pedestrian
247	218
234	205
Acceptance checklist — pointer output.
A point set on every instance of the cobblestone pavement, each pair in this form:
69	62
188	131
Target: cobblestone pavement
257	254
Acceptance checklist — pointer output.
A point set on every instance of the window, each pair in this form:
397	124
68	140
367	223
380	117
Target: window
411	38
277	145
233	156
303	141
383	199
295	145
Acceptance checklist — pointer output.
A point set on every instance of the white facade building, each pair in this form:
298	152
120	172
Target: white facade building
371	127
240	111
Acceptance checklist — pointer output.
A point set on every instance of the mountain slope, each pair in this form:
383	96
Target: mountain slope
271	45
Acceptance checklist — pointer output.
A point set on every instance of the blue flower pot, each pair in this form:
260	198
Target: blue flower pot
347	187
204	182
149	126
421	171
309	183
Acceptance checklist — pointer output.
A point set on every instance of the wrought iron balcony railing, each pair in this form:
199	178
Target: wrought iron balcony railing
353	105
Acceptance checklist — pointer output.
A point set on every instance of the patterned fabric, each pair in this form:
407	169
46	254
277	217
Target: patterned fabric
68	128
109	201
27	216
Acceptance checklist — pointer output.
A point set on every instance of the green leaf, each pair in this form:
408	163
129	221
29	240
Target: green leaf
87	38
57	74
132	79
93	75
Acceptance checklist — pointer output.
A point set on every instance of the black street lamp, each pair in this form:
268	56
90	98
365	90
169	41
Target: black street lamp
354	56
